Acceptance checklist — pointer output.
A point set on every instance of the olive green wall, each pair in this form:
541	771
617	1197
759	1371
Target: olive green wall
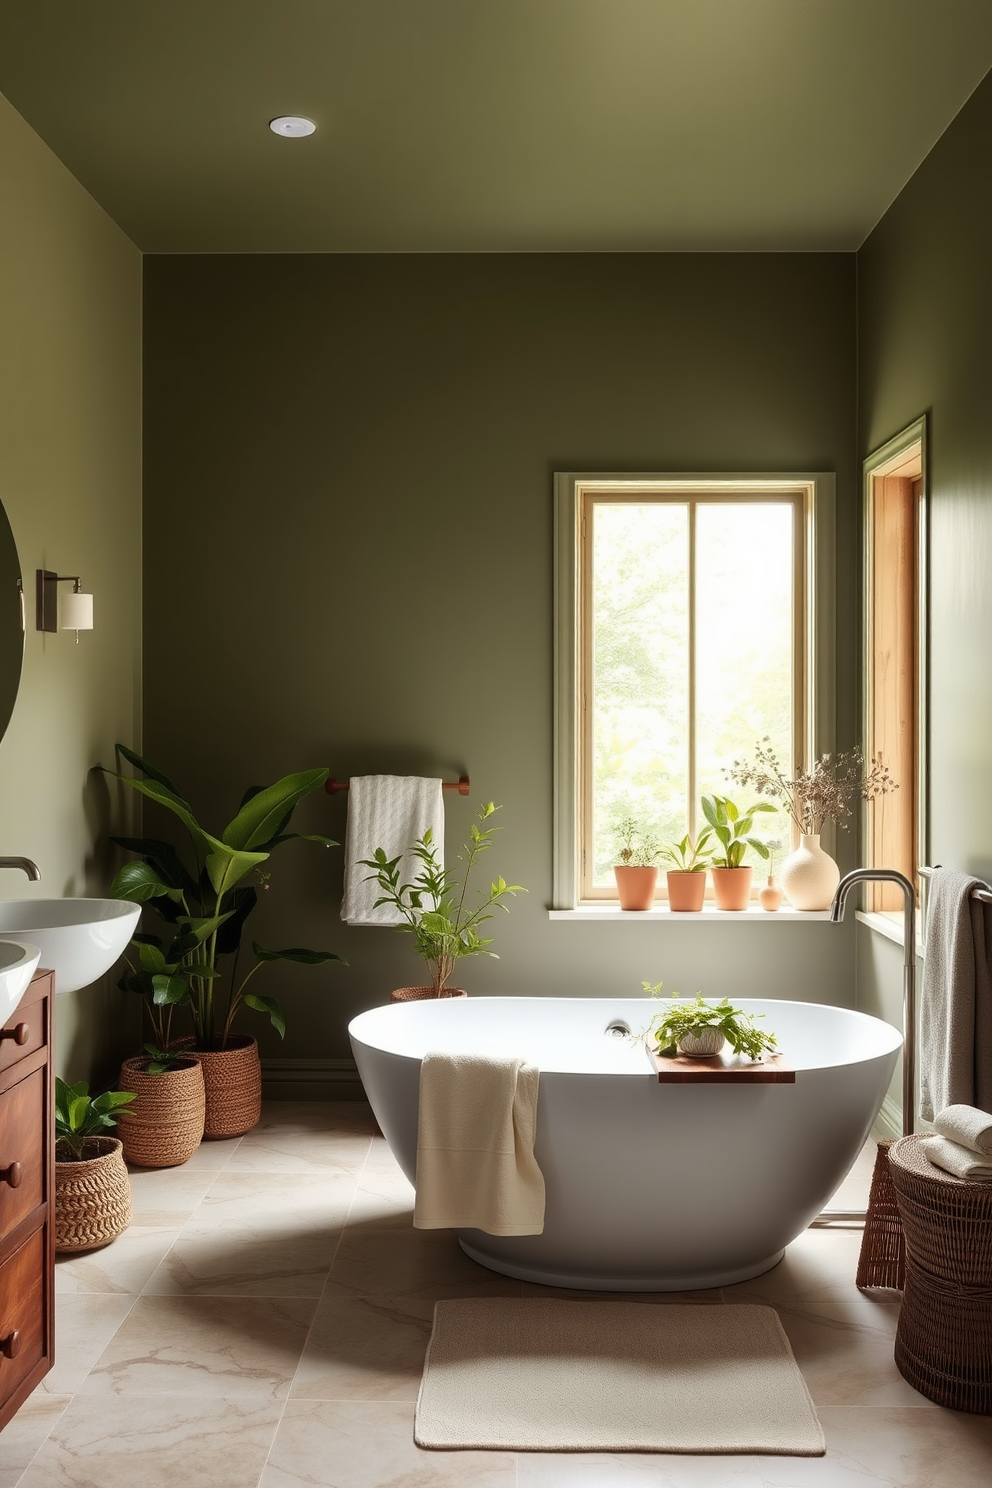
348	527
925	327
70	476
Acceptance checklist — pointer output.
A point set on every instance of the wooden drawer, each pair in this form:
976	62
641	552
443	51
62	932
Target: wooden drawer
27	1030
22	1158
23	1314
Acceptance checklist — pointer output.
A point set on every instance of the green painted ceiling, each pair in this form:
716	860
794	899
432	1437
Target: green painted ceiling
493	125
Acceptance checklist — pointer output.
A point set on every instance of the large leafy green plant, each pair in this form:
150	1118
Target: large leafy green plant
434	908
732	829
78	1116
207	905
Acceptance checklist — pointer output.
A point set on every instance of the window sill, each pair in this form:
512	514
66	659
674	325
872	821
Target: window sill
889	926
753	916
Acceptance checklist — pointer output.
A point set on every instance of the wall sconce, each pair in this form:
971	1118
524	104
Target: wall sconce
77	608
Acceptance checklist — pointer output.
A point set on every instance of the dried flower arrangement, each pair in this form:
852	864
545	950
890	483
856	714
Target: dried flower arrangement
820	794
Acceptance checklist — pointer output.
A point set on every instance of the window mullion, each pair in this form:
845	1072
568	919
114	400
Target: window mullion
691	762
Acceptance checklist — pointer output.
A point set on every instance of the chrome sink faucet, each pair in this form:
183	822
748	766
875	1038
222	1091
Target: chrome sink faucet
26	866
892	875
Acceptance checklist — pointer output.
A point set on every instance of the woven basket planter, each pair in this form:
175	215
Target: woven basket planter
422	994
92	1197
232	1080
163	1127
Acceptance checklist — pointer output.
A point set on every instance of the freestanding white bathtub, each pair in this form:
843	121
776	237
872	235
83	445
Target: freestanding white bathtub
650	1187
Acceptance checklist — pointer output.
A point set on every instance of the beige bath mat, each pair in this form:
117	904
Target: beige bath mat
542	1375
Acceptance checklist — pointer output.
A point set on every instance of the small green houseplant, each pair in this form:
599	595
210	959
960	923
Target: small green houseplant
435	908
686	878
701	1028
636	866
92	1191
732	828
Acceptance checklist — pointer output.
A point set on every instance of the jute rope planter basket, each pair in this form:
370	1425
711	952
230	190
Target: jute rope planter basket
164	1126
944	1336
92	1197
232	1079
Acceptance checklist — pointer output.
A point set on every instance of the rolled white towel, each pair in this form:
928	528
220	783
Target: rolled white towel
966	1125
963	1162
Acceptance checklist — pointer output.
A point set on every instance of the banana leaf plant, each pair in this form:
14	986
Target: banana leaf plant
201	967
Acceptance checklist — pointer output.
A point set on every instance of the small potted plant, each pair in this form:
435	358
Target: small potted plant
636	867
700	1029
201	968
435	908
686	878
92	1191
164	1127
732	829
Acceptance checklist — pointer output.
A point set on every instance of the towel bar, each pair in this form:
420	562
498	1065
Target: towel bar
985	895
462	785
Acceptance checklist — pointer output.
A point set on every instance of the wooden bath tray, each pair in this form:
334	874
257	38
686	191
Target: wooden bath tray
722	1069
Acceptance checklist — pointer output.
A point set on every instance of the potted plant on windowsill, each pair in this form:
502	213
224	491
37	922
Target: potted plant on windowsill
92	1191
636	866
732	829
434	907
686	878
200	968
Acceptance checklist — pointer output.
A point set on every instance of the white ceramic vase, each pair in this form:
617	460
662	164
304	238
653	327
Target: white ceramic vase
704	1043
809	876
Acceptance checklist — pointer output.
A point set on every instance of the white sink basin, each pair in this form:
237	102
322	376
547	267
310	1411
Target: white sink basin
17	967
79	939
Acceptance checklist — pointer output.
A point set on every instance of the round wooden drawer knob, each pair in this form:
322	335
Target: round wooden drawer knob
12	1175
20	1033
10	1346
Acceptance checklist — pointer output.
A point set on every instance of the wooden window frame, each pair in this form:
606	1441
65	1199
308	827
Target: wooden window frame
896	521
814	632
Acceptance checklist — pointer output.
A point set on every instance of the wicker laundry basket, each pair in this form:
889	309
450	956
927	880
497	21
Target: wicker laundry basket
882	1262
944	1337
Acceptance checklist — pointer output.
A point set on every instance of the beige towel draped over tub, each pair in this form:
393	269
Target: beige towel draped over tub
476	1167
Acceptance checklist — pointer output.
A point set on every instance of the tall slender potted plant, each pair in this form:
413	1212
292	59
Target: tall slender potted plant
435	907
200	969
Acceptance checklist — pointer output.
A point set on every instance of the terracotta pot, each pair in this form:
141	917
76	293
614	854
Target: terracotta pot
703	1044
770	896
810	875
731	887
163	1127
92	1197
232	1082
635	886
421	994
686	891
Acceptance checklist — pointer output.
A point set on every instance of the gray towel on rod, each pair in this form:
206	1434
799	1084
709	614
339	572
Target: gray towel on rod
956	1000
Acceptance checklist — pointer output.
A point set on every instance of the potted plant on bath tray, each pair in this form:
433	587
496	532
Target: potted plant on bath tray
732	829
200	968
444	926
700	1029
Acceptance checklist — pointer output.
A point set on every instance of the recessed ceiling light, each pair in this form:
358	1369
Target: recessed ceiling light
292	126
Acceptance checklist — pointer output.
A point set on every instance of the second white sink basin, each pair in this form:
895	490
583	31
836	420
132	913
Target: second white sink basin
78	939
17	967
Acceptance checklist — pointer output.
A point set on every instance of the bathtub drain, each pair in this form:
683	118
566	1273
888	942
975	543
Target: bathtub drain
617	1030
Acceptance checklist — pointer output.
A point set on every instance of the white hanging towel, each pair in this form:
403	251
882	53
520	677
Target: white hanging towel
392	812
476	1168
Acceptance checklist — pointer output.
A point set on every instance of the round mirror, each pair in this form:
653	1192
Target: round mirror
11	623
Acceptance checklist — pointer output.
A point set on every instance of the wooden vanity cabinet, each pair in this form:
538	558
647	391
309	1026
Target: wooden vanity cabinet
27	1197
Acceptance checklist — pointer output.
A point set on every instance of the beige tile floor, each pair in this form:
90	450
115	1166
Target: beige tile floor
263	1325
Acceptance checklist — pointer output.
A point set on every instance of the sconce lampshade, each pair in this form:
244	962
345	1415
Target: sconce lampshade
77	612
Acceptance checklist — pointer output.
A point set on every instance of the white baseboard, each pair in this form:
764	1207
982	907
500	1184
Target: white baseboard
311	1079
888	1123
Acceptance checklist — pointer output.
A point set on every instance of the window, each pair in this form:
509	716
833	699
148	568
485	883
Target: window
895	650
684	634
